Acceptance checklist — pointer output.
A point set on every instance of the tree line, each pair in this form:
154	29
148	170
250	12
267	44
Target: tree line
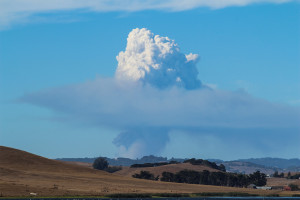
208	178
192	161
289	176
153	164
207	163
215	178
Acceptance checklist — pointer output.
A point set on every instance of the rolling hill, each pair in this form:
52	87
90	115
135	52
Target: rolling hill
157	171
247	167
22	173
274	162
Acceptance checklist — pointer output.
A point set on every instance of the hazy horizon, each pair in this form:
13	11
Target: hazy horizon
169	158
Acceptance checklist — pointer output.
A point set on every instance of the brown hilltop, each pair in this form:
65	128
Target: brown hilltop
15	159
22	173
157	171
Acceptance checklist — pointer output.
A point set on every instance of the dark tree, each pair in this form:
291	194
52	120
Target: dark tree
276	174
100	163
281	175
112	169
145	175
243	180
188	176
222	167
296	176
205	177
168	177
258	178
294	187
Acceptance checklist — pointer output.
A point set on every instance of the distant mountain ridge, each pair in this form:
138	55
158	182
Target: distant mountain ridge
125	161
274	162
248	167
266	165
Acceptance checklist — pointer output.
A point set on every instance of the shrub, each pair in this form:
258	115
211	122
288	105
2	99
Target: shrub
145	175
168	177
294	187
113	169
100	163
296	176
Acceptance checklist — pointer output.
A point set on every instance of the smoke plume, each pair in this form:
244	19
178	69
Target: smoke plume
156	91
157	61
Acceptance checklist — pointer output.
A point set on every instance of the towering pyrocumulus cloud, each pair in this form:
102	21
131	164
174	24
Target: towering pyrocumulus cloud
155	60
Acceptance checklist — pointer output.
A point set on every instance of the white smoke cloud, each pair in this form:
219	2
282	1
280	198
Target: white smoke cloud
138	142
147	114
157	61
16	11
106	102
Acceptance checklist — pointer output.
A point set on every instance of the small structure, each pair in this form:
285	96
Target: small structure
33	193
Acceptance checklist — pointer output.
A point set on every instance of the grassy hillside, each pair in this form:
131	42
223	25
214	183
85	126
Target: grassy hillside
247	167
174	168
22	173
274	162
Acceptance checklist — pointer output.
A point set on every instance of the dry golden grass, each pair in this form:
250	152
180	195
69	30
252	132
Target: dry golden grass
84	164
282	181
22	173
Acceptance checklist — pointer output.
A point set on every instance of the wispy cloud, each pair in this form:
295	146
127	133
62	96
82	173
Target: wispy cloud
21	11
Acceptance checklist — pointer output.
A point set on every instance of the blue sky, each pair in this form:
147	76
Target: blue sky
253	48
